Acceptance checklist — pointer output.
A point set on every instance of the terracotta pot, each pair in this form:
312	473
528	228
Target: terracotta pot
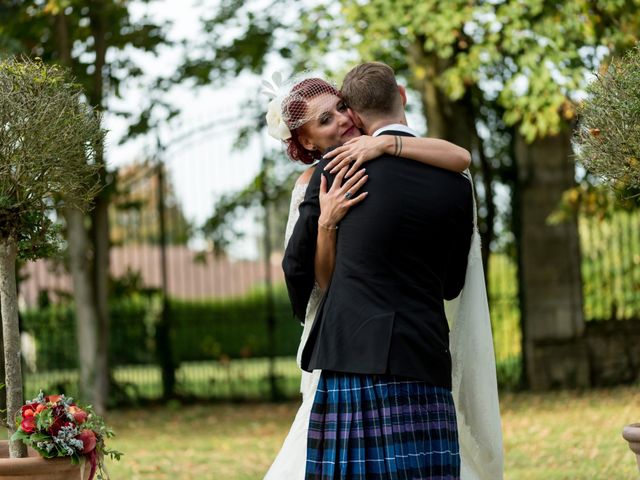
631	434
34	467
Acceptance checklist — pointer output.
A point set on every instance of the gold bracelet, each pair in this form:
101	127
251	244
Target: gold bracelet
326	227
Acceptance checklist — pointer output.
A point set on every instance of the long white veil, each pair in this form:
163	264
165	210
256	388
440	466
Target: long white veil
475	387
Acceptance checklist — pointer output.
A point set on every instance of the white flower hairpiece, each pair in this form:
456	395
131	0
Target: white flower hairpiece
276	126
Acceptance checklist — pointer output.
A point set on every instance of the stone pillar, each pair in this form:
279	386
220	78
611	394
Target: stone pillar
553	322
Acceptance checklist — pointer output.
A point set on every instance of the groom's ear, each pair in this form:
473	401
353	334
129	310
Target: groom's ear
355	118
403	95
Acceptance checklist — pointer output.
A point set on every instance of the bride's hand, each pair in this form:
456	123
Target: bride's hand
357	150
334	205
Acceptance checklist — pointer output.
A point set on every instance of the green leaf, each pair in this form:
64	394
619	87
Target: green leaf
44	419
39	437
20	435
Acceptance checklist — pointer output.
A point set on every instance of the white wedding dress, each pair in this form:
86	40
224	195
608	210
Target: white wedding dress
475	389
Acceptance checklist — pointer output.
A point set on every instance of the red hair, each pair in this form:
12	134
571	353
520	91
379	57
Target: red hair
294	110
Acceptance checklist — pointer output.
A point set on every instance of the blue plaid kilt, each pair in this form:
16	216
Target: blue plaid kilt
381	427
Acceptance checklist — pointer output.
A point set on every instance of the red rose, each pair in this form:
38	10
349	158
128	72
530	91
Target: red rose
79	414
88	438
28	424
28	410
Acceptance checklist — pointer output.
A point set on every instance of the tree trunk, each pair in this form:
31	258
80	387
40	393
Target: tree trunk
100	213
454	120
100	236
91	316
551	307
434	104
3	392
11	339
487	227
86	314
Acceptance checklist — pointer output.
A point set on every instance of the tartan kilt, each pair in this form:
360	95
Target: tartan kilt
381	427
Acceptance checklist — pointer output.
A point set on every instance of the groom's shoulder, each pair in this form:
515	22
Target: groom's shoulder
318	169
314	173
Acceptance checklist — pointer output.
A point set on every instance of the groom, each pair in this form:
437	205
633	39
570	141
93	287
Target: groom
383	408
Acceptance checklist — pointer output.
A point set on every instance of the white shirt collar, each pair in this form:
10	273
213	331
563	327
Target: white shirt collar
398	127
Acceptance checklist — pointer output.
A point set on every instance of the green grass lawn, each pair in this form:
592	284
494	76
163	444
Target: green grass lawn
564	435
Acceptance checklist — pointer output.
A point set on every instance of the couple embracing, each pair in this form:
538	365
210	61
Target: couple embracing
380	262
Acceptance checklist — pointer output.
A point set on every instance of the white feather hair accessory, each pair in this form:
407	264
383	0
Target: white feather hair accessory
276	126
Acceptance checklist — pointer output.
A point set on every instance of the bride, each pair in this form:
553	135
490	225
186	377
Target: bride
310	119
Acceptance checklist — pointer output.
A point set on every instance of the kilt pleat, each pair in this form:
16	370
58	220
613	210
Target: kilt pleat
381	427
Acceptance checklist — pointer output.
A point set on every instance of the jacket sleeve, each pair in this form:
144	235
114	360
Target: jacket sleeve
299	255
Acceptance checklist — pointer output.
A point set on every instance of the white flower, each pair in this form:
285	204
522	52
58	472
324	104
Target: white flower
275	123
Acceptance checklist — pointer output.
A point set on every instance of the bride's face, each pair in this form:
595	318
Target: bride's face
330	124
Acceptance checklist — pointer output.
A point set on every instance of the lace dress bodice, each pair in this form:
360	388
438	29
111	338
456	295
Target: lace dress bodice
297	195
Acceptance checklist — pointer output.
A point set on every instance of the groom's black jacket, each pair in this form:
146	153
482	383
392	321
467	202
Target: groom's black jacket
399	254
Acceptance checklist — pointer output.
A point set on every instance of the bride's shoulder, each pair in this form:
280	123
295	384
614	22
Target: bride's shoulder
306	176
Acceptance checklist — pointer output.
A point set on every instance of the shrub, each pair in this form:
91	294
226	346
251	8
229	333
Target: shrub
607	141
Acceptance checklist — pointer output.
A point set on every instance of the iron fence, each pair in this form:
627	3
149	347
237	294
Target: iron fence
221	324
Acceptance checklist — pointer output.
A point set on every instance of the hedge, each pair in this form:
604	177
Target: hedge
200	330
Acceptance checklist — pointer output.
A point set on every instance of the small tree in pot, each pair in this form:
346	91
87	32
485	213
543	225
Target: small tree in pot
48	140
608	137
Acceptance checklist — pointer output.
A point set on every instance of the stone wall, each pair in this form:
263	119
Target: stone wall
608	353
614	351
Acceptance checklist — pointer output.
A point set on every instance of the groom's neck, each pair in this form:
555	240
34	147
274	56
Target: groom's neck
383	122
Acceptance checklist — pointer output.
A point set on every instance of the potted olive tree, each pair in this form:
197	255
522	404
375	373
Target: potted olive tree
48	141
608	143
607	140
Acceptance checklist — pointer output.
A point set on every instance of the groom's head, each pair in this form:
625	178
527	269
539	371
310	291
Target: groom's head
375	98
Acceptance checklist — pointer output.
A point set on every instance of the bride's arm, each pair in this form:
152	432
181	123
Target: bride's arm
432	151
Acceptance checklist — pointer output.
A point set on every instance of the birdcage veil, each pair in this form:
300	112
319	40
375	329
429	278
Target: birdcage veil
289	106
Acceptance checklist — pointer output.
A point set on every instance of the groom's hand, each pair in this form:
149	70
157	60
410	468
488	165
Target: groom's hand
355	152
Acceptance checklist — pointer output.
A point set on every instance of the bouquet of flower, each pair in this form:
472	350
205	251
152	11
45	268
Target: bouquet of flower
55	426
